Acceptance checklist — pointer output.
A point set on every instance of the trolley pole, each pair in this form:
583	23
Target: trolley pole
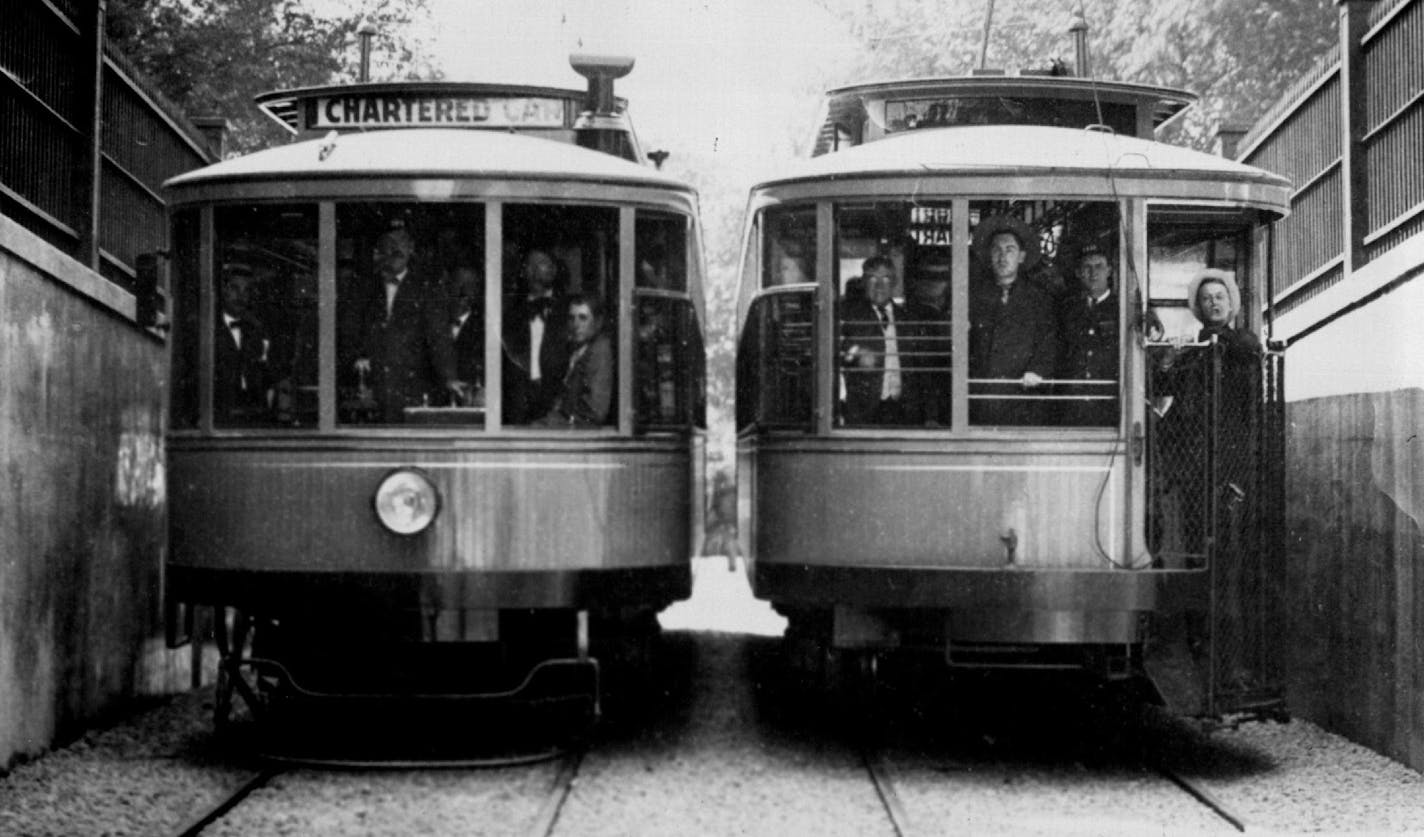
366	32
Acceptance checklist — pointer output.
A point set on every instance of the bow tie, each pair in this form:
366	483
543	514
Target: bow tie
540	307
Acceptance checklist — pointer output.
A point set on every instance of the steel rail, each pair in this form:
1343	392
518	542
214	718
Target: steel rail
885	789
1201	795
559	791
232	800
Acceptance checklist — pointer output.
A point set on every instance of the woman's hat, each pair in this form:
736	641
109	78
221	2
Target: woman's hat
995	224
1212	274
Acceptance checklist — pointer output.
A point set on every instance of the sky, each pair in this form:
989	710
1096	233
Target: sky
733	77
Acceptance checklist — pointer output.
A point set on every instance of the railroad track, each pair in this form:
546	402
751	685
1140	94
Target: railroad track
542	826
219	809
883	780
1200	794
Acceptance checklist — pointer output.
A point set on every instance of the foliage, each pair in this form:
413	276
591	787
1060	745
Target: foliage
1239	57
214	56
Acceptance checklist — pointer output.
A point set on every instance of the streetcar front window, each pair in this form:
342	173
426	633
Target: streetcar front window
409	308
892	276
560	292
1045	307
264	368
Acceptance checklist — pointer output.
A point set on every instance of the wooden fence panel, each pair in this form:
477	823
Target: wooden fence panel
1355	578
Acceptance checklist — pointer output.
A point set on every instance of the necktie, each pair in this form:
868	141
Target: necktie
890	385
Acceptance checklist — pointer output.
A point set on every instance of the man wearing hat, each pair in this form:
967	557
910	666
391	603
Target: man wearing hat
1013	338
1088	327
241	381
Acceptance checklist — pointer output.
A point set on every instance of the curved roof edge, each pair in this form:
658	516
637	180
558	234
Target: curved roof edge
429	153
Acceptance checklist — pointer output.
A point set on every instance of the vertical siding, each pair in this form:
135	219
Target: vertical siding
1355	578
1394	106
1306	149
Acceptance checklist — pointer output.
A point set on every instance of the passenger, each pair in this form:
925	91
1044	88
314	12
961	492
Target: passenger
535	351
296	351
931	282
467	329
1013	333
406	349
242	386
876	334
586	394
1088	326
929	294
1185	435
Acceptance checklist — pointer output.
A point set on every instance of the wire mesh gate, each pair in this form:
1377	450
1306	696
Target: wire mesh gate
1216	503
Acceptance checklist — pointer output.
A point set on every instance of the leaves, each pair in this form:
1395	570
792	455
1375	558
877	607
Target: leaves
214	56
1239	57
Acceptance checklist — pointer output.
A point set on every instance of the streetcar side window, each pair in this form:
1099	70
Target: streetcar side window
1044	349
560	292
265	321
789	240
183	407
667	344
409	309
775	361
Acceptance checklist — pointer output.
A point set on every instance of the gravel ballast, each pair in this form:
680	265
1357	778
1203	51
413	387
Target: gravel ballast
706	754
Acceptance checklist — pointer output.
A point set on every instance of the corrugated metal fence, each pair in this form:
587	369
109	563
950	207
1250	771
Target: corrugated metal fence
85	145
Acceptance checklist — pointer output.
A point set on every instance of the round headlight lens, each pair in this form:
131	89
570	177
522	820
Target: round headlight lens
406	502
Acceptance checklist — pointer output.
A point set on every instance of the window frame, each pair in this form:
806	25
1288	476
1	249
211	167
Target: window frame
623	307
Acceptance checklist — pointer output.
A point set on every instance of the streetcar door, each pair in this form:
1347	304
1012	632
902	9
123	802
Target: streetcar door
1214	474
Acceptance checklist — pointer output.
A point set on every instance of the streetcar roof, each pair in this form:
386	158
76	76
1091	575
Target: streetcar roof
872	111
1023	151
1166	102
429	153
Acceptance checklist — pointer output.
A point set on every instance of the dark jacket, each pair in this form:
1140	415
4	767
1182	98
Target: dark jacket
412	353
525	399
241	376
863	336
1089	333
1006	340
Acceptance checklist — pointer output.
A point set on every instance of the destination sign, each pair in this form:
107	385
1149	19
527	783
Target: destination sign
930	226
394	111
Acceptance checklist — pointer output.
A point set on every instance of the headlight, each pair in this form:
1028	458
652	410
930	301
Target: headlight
406	502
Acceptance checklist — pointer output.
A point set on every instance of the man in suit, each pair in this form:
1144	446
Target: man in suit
241	380
467	329
1013	336
406	347
1088	326
586	388
878	337
536	352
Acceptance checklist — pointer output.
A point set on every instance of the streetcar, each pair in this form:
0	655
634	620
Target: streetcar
956	490
437	397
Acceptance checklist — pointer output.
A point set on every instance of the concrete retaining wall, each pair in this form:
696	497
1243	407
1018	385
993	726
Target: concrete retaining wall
82	509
